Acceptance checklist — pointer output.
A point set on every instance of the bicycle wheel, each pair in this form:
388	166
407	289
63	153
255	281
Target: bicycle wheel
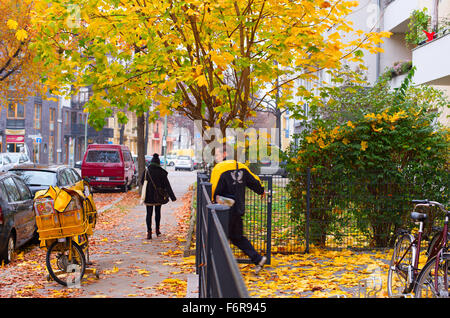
66	266
433	282
434	240
402	259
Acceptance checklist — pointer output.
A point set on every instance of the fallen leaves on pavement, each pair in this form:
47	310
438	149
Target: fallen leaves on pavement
321	273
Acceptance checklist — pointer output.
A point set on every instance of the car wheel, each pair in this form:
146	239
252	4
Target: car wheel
35	238
125	187
8	254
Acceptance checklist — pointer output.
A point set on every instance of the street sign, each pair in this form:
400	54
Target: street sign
38	140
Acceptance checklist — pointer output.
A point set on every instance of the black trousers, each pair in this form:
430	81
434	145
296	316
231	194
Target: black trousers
236	235
149	216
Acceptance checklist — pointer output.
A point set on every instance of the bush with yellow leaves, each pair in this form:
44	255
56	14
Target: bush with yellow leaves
369	154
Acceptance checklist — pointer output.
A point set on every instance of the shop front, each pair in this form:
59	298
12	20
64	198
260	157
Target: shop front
15	141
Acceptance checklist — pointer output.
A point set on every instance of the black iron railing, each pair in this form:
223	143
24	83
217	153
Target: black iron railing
219	274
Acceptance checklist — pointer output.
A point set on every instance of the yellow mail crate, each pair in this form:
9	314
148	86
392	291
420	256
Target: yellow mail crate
48	226
73	222
52	224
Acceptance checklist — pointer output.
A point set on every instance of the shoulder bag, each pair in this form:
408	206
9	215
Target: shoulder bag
160	195
144	188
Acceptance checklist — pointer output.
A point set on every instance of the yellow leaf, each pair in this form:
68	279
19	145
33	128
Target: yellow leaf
21	35
12	24
201	80
364	145
143	271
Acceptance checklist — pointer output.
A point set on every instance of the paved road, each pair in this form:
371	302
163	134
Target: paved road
133	265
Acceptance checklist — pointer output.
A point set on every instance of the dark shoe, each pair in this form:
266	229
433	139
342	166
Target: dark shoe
149	235
158	233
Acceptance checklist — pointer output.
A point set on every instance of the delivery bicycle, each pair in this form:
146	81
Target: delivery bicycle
66	218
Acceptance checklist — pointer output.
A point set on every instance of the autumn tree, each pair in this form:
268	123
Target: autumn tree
210	60
19	72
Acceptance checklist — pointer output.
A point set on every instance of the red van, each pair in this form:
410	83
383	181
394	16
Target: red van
108	166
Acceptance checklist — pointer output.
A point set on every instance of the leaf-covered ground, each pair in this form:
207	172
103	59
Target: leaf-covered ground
320	273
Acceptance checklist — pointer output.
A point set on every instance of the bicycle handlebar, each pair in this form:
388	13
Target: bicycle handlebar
430	203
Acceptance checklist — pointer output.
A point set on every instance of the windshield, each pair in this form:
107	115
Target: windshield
14	157
36	177
108	156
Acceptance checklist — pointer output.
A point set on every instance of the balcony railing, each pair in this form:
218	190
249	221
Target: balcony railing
432	62
397	13
77	130
13	123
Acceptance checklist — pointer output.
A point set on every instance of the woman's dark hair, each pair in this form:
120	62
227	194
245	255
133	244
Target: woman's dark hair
155	159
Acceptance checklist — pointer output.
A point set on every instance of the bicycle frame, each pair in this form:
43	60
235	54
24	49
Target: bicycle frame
415	246
440	247
438	250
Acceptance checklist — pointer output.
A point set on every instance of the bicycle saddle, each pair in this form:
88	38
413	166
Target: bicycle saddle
418	216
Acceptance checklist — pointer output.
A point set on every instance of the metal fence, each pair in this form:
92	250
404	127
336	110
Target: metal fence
337	210
219	274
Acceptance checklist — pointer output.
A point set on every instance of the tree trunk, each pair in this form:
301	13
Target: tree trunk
121	133
146	133
141	146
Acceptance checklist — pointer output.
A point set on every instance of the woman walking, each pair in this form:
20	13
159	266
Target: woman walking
158	193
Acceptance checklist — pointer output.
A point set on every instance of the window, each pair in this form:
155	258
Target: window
36	151
25	193
11	190
6	160
75	175
70	177
3	191
127	156
63	179
66	118
37	116
52	119
16	110
110	156
50	148
37	177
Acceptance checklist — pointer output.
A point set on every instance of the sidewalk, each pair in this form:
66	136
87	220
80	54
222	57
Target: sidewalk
131	265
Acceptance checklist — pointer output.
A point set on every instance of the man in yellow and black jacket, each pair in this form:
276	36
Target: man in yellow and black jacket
229	179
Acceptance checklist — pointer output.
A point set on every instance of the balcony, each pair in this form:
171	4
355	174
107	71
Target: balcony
12	123
397	13
77	130
432	62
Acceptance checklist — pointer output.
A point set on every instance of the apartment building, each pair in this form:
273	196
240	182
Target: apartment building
431	58
51	131
179	133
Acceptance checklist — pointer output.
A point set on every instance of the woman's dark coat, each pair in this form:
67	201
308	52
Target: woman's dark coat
159	176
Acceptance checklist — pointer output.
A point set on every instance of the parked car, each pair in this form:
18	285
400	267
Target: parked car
19	158
199	164
5	162
108	166
17	218
171	160
184	163
136	170
275	168
40	177
147	160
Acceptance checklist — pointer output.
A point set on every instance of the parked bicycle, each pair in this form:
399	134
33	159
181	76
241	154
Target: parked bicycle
65	218
404	272
433	279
